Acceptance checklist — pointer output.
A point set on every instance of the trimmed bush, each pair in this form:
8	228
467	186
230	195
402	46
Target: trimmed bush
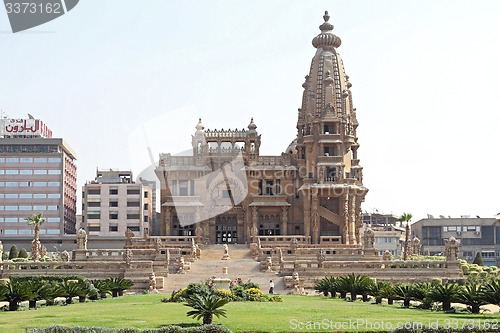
14	252
166	329
23	253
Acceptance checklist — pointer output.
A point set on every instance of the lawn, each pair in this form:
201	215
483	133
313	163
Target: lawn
296	313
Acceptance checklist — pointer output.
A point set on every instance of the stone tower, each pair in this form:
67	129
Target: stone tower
327	146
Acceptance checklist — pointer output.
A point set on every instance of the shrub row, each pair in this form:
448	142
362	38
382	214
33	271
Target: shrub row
166	329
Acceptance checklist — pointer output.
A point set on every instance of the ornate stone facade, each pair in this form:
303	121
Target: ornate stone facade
225	191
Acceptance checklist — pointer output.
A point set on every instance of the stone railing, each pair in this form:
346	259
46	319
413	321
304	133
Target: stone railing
164	241
418	271
282	241
330	240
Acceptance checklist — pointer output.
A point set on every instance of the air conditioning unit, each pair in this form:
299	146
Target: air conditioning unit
477	233
459	232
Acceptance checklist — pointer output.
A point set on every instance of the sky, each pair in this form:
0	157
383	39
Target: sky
122	81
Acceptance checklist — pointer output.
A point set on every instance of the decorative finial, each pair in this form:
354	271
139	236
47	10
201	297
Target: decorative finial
326	39
326	17
252	126
200	126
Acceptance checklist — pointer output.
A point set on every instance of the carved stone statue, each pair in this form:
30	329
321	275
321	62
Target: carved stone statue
152	282
157	244
127	256
254	231
226	253
269	264
416	246
368	238
294	244
128	237
452	248
81	239
65	256
321	257
43	252
387	255
182	266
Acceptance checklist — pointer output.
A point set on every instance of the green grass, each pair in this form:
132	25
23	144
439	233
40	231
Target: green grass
146	311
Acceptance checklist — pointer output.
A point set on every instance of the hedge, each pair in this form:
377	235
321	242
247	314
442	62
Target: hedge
167	329
48	278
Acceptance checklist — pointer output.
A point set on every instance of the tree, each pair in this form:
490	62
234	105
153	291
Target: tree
406	217
473	296
14	292
36	220
478	260
445	293
205	307
118	285
492	292
23	253
14	252
405	292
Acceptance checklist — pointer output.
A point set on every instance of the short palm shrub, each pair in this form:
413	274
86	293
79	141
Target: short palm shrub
445	294
205	306
473	296
119	285
14	292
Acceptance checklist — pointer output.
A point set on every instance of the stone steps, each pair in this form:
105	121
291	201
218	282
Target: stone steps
241	265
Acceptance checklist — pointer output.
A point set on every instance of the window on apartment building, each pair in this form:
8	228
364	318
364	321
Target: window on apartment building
98	228
173	189
113	228
94	204
134	228
269	184
146	194
146	218
146	206
94	191
113	216
94	216
113	191
133	191
133	216
113	204
133	203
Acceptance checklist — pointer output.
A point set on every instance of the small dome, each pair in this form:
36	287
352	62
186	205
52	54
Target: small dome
252	126
292	147
326	39
200	126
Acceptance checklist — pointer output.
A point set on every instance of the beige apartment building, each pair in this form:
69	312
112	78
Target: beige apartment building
225	191
37	174
474	234
113	203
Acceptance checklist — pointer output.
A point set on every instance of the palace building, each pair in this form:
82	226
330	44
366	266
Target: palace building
225	191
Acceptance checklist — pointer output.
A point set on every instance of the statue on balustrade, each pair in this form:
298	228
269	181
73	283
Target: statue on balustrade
81	239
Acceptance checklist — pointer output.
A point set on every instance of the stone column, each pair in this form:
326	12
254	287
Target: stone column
352	226
307	214
284	220
315	217
346	219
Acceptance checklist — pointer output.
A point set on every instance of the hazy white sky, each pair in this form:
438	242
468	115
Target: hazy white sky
113	77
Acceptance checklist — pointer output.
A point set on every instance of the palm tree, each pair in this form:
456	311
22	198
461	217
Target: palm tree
377	290
118	285
492	292
14	292
36	220
102	287
404	292
421	292
406	217
445	293
322	286
473	296
69	289
206	306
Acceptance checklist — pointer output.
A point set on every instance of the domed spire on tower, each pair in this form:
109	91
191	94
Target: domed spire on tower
252	127
200	126
326	39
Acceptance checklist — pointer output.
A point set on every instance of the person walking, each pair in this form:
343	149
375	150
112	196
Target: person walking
271	287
